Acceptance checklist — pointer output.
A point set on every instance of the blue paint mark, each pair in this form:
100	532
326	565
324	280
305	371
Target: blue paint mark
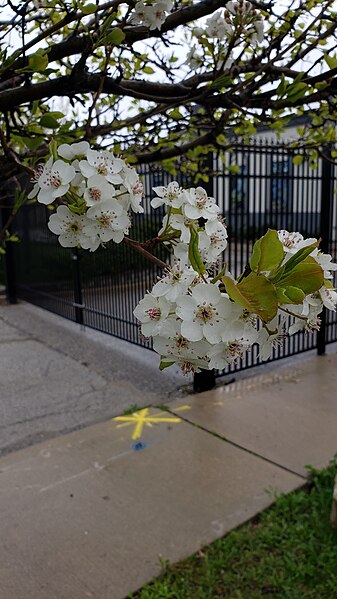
139	446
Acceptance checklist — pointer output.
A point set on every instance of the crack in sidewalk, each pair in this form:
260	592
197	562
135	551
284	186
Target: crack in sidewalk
218	436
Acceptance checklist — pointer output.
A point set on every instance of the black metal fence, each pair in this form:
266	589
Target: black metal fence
262	189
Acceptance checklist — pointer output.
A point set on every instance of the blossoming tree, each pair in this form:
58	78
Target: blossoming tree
154	80
160	78
198	315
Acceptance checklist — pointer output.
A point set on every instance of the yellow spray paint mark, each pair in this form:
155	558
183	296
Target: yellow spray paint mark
141	419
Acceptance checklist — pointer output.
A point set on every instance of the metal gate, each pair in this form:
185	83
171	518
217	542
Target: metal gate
100	290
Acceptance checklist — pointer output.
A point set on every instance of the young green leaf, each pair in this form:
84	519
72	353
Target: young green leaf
223	81
88	9
289	295
108	22
307	276
300	256
148	70
282	86
294	92
298	159
268	252
330	60
164	365
194	254
37	63
49	122
255	293
114	37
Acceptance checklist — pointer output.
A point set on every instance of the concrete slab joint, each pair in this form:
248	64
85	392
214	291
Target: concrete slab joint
94	513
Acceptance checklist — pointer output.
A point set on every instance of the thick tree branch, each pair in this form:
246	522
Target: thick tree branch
85	82
75	45
176	150
163	93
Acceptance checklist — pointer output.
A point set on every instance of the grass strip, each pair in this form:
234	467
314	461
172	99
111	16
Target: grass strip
288	552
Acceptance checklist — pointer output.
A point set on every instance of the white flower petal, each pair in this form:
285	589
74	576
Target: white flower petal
191	330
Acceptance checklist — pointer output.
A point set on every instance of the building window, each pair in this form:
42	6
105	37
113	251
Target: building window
239	187
281	194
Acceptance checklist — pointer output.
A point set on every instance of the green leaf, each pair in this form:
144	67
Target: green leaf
20	199
32	142
108	22
268	252
52	146
164	365
234	169
132	159
194	254
49	122
331	61
114	38
289	295
175	114
307	276
56	114
221	139
37	63
255	293
88	9
9	61
223	81
79	208
294	92
298	159
148	70
282	86
300	256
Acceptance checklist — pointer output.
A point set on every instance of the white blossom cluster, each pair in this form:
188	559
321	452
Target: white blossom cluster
185	208
192	323
308	312
97	191
191	319
238	17
239	20
151	13
198	316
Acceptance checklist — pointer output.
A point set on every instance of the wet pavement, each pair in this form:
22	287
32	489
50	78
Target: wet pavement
97	512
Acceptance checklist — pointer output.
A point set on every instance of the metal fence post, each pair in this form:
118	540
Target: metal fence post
327	195
11	283
9	258
78	303
205	379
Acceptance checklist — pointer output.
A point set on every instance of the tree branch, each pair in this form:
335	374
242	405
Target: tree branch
176	150
76	45
136	245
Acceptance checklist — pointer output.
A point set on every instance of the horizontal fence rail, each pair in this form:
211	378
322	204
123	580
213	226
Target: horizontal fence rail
263	188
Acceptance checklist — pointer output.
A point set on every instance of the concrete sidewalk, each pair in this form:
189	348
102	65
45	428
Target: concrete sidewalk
56	377
94	513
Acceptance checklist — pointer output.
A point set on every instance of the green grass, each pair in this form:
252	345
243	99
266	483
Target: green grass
288	552
133	408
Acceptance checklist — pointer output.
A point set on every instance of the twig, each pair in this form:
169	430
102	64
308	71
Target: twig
12	157
290	313
136	245
98	92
